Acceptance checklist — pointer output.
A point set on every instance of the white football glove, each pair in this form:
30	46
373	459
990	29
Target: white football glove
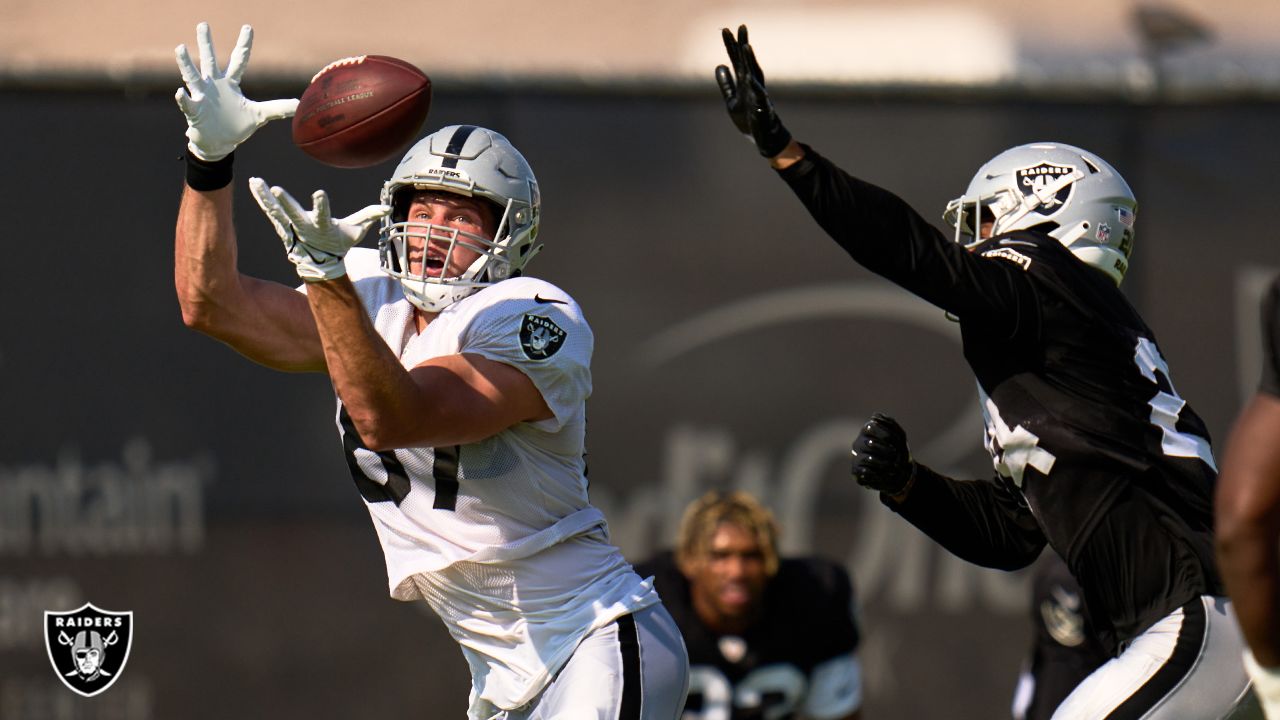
315	242
219	116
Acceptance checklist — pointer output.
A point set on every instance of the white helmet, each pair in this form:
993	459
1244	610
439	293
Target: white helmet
1069	193
474	162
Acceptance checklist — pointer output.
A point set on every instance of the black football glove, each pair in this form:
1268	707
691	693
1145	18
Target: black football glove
746	98
881	459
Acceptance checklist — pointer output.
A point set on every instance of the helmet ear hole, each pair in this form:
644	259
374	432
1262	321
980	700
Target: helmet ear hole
400	203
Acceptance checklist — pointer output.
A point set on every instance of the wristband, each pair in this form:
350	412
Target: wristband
204	175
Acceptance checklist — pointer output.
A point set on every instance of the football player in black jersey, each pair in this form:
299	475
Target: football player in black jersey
768	637
1095	452
1248	516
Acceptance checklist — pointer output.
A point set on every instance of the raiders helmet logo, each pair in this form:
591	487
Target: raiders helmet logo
540	338
1040	180
88	647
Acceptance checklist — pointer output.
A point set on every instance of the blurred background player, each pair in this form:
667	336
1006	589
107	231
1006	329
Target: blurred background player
1095	453
768	637
1064	647
461	401
1248	517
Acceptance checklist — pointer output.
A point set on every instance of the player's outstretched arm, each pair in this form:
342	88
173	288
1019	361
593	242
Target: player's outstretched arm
748	102
267	322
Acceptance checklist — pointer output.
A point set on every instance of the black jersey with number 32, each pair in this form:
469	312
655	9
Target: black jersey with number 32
806	622
1094	449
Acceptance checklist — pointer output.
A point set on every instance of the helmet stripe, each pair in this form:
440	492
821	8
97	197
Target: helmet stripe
456	143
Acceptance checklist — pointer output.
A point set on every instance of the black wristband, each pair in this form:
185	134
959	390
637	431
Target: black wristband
204	176
774	141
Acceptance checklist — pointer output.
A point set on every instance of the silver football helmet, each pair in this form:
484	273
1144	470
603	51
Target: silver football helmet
1071	194
475	162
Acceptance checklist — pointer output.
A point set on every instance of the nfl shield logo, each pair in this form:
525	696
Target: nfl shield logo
539	337
88	647
1037	180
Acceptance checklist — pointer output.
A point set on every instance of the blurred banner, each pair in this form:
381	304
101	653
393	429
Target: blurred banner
145	468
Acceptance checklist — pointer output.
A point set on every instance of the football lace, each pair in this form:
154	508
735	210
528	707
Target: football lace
339	63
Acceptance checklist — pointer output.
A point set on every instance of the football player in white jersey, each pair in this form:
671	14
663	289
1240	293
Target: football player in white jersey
461	393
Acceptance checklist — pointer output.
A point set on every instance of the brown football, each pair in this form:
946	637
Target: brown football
360	111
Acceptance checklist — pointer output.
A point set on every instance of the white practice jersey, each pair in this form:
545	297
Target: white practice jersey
497	536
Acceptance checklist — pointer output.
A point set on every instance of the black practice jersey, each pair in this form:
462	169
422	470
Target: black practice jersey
1271	341
1095	451
768	672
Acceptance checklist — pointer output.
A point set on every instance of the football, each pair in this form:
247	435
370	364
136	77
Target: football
360	111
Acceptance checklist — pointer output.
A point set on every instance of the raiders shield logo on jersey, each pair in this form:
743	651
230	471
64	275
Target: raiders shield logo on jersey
88	647
540	338
1041	179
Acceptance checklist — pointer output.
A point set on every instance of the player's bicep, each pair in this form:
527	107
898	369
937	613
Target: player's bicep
1249	485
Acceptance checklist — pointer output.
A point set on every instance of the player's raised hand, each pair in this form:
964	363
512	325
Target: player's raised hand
315	241
219	116
747	99
881	459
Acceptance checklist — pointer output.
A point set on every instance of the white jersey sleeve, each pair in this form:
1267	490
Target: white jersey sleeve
538	329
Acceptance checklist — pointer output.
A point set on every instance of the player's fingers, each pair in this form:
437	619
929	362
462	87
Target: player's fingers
190	73
886	422
240	56
292	208
724	79
208	59
752	66
270	205
277	109
187	68
187	104
367	215
320	208
731	47
879	439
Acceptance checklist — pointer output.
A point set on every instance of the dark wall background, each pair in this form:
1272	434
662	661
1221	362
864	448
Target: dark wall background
144	467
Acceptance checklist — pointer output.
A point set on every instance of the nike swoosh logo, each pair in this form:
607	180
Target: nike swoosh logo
541	300
1011	241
